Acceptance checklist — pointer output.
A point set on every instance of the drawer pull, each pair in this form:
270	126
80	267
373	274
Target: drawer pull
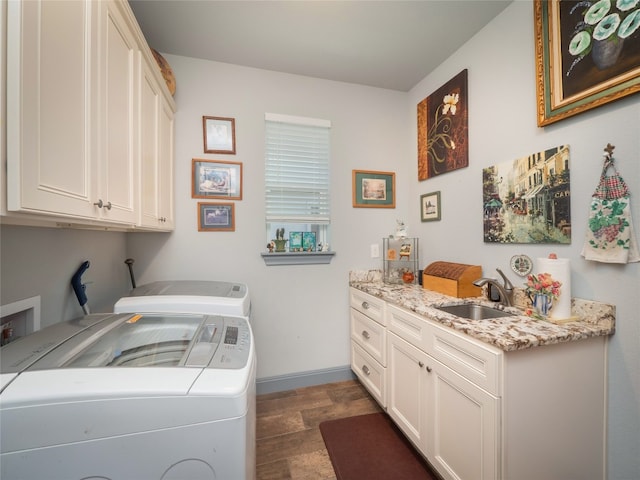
366	370
365	334
420	364
365	305
429	369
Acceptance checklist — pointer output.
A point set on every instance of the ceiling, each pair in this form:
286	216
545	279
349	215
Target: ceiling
386	44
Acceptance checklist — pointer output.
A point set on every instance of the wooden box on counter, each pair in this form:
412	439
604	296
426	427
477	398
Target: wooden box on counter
453	279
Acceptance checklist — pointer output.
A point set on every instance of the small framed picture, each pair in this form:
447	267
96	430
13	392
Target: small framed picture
430	207
405	251
309	241
216	217
219	135
374	189
216	179
295	241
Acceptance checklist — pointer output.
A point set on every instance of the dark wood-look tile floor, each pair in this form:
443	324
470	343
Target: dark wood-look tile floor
288	441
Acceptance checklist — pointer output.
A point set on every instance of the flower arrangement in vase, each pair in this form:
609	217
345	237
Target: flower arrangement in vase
602	31
542	290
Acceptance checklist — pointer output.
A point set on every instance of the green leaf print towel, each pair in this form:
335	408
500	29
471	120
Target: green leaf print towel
610	237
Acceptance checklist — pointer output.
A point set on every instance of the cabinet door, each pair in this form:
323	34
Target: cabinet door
149	167
165	171
118	95
51	114
463	428
406	372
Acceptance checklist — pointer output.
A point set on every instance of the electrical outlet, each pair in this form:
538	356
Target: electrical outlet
375	250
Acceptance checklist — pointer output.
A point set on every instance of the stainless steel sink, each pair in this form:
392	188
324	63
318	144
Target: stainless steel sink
474	311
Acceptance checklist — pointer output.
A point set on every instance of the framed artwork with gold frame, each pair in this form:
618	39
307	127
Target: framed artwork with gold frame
587	55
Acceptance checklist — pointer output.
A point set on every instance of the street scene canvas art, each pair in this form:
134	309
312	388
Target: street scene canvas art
528	200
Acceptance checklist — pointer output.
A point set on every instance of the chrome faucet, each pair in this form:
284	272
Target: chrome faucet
506	290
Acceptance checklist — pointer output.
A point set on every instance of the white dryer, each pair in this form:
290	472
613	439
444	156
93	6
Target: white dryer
130	396
188	296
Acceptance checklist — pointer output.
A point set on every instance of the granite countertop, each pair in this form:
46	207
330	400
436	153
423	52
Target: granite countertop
510	333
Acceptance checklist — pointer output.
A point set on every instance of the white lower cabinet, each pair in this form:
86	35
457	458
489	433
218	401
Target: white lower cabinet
453	422
462	425
476	412
408	389
369	343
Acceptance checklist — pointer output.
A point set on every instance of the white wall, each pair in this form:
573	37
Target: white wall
41	261
502	127
300	312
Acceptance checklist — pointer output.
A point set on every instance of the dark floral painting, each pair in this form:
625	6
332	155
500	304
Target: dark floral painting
443	130
528	200
599	40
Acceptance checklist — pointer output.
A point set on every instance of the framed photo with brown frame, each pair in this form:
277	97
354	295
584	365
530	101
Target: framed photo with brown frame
373	189
430	207
587	55
219	135
216	179
216	217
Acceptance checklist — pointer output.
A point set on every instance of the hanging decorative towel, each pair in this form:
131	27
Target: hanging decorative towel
610	237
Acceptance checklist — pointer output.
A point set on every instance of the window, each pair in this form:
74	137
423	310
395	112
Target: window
297	197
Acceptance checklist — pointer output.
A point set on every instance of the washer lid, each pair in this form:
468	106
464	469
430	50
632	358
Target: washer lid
188	296
140	340
191	287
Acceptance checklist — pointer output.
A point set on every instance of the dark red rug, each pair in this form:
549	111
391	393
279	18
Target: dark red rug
370	447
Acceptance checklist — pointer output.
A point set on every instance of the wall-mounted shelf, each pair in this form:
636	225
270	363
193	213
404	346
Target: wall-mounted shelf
297	258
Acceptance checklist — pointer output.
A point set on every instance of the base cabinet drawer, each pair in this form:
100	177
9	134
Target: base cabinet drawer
370	335
371	306
371	373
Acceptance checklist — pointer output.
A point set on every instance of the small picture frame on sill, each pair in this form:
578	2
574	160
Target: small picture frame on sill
430	207
219	135
309	241
295	241
216	217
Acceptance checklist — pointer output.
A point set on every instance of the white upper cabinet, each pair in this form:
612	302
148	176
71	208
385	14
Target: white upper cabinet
166	162
156	147
52	110
119	73
85	105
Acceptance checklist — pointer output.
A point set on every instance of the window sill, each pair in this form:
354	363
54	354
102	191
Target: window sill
297	258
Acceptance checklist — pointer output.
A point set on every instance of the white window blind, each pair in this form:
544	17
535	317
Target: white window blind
297	169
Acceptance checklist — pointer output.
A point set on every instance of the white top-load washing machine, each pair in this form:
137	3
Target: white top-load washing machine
188	296
130	396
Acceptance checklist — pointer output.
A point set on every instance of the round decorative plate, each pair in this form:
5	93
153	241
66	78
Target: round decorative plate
521	265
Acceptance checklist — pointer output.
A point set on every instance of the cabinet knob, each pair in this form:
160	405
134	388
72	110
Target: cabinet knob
365	334
365	305
429	369
420	364
101	204
366	370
